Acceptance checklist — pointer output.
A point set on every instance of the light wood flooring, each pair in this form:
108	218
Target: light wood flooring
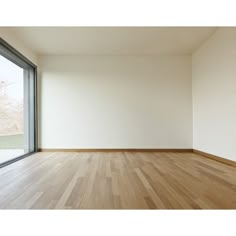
117	180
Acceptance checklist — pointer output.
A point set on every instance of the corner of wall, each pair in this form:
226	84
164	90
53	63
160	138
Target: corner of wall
10	37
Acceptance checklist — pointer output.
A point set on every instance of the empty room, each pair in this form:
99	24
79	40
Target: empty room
117	118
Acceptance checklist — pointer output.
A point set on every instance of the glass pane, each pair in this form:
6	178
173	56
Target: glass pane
13	138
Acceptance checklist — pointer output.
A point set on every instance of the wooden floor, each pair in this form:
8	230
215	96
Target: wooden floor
117	180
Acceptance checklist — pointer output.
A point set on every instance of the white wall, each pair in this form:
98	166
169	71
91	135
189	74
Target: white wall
214	95
139	102
8	35
116	102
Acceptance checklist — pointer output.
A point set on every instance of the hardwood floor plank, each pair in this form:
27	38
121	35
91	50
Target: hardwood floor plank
117	180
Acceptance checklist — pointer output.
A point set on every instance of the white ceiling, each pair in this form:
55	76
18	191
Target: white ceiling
112	40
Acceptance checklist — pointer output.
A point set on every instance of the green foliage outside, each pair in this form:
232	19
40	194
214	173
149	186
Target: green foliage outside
12	142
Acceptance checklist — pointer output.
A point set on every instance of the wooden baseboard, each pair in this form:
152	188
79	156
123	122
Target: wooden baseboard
208	155
216	158
114	150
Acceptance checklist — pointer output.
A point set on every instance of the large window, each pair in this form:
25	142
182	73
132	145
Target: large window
17	105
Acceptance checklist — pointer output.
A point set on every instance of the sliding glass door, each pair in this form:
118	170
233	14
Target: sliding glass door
17	105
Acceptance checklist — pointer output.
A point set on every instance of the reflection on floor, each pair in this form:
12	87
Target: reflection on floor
8	154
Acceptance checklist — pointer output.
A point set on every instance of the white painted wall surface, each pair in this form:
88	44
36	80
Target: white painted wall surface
116	102
214	95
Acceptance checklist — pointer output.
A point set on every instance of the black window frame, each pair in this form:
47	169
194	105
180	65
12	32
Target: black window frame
13	56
